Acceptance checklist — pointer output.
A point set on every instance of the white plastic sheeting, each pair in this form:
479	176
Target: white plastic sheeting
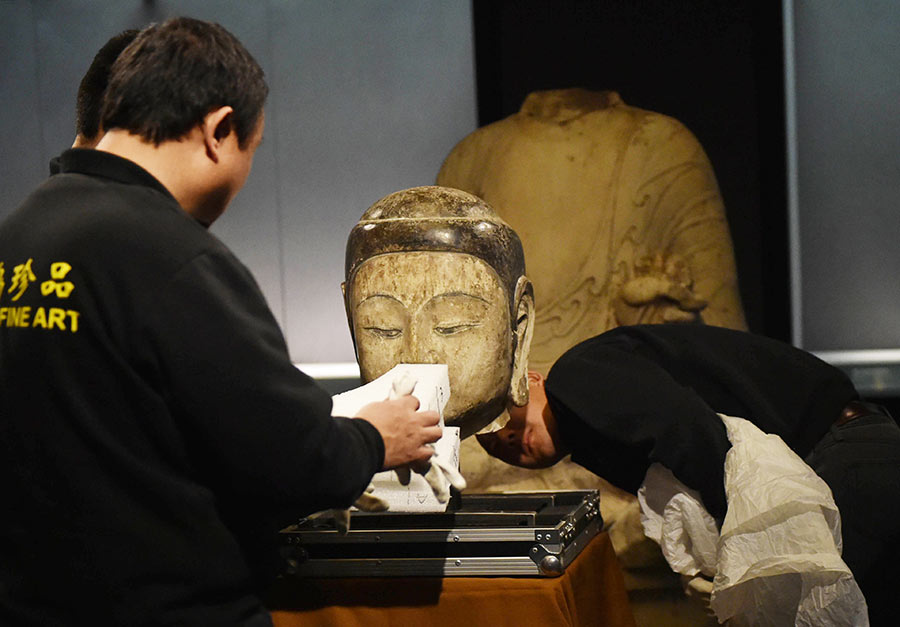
776	560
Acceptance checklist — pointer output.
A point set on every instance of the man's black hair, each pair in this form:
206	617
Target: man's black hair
90	91
166	81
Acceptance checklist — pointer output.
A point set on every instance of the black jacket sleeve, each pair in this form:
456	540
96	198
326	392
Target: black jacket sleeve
260	430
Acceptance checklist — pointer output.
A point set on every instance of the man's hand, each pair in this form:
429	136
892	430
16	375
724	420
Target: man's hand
530	439
405	431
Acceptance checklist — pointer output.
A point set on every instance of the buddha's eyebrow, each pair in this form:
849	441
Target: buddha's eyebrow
457	293
387	296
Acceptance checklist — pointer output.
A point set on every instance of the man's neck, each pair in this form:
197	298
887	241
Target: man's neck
175	164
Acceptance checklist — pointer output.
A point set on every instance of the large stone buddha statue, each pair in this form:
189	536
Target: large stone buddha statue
433	275
622	222
618	210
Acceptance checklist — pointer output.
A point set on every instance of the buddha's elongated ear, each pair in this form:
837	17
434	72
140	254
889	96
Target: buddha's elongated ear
346	297
523	328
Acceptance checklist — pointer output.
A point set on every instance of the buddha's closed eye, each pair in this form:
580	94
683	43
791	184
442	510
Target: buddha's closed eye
386	333
453	329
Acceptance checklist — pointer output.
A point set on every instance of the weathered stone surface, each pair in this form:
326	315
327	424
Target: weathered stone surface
433	275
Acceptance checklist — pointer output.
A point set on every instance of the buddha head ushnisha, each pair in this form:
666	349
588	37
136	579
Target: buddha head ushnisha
433	275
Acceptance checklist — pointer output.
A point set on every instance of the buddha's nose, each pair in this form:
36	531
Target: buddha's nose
418	349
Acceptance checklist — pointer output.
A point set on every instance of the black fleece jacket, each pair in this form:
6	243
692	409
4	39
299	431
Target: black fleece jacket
154	434
637	395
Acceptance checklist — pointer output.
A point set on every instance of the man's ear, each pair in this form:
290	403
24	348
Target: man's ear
523	328
216	126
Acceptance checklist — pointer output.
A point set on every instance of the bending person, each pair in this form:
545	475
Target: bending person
634	396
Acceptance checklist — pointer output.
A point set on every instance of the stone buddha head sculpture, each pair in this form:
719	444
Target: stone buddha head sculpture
433	275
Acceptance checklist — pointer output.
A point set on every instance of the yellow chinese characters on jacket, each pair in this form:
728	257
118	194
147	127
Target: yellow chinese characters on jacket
54	290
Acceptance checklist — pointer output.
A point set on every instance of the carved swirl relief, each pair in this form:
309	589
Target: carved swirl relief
640	279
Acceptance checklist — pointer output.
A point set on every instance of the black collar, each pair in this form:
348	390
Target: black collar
54	165
99	163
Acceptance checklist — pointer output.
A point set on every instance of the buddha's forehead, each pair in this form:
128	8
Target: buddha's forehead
416	277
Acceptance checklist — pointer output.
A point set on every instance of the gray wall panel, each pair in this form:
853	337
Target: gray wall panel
68	35
370	110
848	173
22	164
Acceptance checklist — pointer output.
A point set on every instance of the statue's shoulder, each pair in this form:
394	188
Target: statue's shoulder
561	106
662	134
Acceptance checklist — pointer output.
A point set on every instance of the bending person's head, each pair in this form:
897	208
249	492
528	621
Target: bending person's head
433	275
530	438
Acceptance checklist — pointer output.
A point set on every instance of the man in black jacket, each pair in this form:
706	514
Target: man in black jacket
154	434
633	396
